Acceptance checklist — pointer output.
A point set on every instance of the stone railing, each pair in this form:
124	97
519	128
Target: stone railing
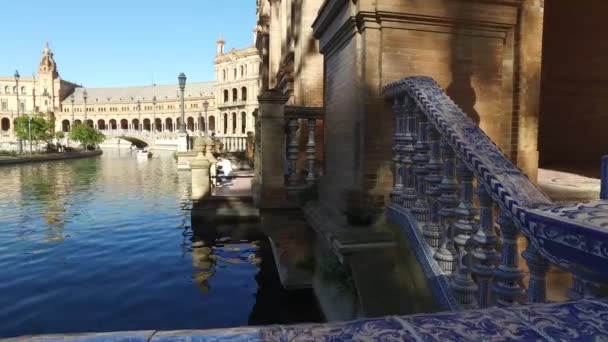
449	179
233	143
298	121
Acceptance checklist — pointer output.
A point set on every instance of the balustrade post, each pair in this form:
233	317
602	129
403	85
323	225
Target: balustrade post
311	152
507	287
484	255
538	267
432	230
463	284
292	151
421	158
397	151
446	254
408	110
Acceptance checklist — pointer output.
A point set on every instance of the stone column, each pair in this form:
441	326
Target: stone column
200	167
269	180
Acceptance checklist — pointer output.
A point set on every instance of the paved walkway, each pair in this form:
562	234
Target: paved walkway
237	187
585	320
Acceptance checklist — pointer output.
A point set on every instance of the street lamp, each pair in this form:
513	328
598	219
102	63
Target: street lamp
19	142
205	107
138	115
182	85
153	114
72	102
85	95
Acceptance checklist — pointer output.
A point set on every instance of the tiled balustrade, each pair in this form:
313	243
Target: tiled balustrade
461	201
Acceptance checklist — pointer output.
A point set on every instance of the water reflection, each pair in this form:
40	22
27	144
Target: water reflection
108	243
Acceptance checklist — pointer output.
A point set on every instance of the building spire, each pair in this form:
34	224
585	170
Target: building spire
220	45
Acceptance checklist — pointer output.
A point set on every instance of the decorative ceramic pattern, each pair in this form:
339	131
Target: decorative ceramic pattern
585	320
573	237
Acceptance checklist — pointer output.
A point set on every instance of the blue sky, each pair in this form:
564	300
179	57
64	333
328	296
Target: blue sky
101	43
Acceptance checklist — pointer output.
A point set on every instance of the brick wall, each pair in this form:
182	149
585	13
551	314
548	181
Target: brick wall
342	126
574	86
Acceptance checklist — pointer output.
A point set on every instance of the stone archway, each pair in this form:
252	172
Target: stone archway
135	124
101	124
65	126
124	124
158	124
169	124
212	123
190	124
113	124
89	122
147	126
77	122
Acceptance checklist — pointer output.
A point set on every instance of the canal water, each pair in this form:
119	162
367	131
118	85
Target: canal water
107	243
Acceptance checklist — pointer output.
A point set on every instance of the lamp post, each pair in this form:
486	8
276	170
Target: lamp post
85	95
138	115
153	126
19	142
205	107
182	85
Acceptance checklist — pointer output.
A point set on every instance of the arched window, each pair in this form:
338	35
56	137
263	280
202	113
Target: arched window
243	122
233	123
23	90
235	73
212	123
224	74
225	123
15	90
242	71
225	95
6	90
244	94
235	95
65	126
6	124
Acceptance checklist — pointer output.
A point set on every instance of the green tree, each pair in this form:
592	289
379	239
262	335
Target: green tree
59	135
89	137
38	129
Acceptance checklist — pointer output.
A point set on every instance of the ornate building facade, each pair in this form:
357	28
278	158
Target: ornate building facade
224	106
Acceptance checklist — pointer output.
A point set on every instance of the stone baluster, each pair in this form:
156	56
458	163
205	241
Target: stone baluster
538	267
484	255
432	230
446	254
397	152
311	152
507	288
421	158
292	150
463	285
409	139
